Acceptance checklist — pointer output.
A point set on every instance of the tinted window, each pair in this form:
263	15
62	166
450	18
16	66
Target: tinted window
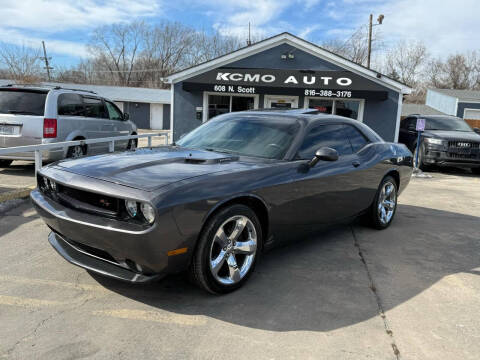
71	105
22	102
246	135
357	139
332	136
94	108
113	111
447	123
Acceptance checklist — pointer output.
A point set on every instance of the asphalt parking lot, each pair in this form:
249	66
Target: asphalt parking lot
409	292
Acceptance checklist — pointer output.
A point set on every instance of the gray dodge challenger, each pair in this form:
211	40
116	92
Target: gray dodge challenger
211	203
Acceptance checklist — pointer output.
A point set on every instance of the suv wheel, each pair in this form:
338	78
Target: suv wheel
76	151
421	152
227	250
5	163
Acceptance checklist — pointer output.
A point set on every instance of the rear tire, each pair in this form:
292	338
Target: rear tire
77	151
227	250
5	163
132	144
384	206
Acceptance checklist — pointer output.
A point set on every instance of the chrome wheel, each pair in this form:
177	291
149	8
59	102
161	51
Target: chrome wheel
132	145
233	250
387	202
76	152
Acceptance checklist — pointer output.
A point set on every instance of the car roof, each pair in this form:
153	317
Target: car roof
45	88
306	115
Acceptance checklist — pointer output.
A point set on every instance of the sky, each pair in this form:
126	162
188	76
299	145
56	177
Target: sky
444	26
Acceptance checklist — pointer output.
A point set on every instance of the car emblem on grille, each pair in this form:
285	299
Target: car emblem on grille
104	203
463	144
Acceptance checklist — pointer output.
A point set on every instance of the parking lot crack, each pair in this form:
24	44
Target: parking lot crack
374	290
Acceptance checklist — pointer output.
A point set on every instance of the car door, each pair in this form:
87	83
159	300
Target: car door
408	132
99	125
326	192
121	127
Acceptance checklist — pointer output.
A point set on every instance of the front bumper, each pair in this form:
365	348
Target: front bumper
442	156
111	247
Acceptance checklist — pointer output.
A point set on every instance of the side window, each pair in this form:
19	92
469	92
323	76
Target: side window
332	136
70	105
357	139
94	108
113	111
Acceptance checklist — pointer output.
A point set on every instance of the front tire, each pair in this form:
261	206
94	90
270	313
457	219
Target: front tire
228	249
421	155
384	206
5	163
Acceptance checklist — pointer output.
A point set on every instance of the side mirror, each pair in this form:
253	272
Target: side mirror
325	154
477	130
126	116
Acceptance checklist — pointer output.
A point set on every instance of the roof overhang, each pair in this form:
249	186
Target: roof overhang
308	47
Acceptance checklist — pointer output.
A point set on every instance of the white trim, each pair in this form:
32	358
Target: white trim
205	101
399	116
470	109
361	106
286	38
294	99
468	101
456	107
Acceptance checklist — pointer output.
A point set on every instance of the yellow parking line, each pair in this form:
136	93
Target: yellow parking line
32	281
27	302
155	316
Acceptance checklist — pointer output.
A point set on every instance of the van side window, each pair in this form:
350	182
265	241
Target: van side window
113	112
70	105
94	108
357	139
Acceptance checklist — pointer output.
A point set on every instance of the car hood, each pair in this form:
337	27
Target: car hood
453	135
150	169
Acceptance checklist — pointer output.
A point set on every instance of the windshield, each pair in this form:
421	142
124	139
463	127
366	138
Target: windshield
22	102
447	123
246	135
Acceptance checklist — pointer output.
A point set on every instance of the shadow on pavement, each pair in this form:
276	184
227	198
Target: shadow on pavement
320	284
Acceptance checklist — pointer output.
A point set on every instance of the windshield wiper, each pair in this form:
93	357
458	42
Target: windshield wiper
219	150
21	112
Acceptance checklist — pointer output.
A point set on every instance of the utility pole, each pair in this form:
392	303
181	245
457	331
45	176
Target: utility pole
249	40
370	25
46	58
370	28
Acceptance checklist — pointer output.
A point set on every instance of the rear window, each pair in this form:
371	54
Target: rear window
22	102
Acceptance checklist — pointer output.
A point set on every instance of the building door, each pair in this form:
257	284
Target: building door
217	104
156	116
281	102
139	114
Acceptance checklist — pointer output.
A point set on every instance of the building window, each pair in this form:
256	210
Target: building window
347	108
221	104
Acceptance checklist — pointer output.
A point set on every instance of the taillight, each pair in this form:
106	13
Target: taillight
49	128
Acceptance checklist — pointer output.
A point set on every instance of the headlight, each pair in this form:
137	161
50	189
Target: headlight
131	207
433	141
148	212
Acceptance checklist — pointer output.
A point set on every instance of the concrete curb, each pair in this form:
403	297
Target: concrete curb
16	194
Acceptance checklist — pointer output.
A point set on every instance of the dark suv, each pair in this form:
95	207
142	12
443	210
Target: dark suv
446	141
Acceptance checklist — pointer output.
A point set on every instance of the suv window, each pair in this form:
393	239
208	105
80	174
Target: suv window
332	136
113	112
357	139
94	107
22	102
71	105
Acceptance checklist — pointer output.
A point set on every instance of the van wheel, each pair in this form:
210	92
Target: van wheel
227	251
5	163
132	144
74	152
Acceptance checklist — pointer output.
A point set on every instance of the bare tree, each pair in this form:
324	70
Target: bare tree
459	71
405	62
115	49
355	48
21	63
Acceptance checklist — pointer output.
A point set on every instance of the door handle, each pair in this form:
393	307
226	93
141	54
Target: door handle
356	163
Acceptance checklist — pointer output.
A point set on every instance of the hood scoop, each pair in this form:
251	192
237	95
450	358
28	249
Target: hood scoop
219	160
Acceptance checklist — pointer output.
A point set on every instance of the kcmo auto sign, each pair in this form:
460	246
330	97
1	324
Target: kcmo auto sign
286	82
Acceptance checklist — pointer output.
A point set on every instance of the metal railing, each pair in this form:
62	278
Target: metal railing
37	149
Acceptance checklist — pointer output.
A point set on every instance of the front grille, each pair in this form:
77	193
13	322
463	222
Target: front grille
462	144
463	149
98	203
102	254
